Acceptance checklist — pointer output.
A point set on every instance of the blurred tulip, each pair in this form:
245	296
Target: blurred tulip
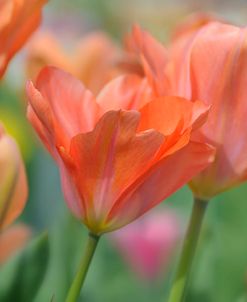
43	50
118	156
13	183
148	244
93	61
220	83
12	240
18	20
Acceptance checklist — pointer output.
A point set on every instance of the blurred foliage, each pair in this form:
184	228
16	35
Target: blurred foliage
12	115
22	276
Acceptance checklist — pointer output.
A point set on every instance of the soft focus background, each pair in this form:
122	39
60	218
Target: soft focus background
221	274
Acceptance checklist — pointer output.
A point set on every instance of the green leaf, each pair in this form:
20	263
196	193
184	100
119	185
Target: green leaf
21	277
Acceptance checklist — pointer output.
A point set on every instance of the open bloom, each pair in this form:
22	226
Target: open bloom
119	153
148	243
13	184
208	62
93	60
18	20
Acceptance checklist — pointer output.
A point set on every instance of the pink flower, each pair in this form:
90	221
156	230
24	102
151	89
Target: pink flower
147	244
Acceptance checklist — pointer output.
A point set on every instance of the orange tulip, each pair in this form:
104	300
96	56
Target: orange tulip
13	184
209	63
18	19
222	84
93	61
119	154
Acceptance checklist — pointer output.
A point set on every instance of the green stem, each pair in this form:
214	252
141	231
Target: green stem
180	282
75	289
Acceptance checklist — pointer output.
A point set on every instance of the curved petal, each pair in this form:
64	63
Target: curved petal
75	201
153	56
60	101
174	117
159	182
193	23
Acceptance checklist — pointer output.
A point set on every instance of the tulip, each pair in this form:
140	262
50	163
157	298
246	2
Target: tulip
13	183
210	63
147	244
111	148
221	83
120	153
13	196
18	20
93	60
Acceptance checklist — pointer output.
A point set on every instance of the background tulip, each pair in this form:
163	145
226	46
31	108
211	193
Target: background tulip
93	59
18	20
13	183
148	244
221	84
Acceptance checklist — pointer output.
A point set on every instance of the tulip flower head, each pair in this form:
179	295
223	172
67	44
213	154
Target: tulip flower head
13	183
148	243
18	20
221	50
120	153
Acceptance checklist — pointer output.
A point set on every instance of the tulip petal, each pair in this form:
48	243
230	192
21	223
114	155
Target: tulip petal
193	23
174	117
153	56
159	182
108	159
128	92
60	107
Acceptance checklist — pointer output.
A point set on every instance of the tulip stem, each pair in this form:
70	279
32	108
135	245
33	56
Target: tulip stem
75	289
178	290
